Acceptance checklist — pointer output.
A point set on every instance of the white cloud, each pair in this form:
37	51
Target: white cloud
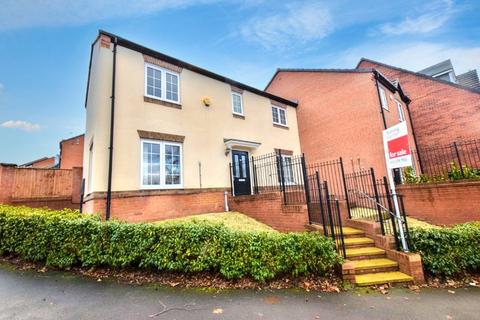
439	12
414	56
16	14
295	24
20	124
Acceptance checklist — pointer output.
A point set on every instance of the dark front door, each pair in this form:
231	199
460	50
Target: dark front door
241	173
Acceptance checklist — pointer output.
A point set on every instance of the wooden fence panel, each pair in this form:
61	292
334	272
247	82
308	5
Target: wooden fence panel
41	183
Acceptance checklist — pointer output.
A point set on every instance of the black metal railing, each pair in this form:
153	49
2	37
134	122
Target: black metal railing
371	199
441	161
288	174
277	172
324	210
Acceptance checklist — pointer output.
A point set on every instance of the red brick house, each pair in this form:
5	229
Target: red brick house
71	152
343	113
441	111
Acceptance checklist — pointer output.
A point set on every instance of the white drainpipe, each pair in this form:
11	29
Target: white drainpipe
226	201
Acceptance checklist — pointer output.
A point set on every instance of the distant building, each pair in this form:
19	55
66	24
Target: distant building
71	152
42	163
444	70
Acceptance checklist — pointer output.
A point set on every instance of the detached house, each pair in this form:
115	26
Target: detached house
342	112
161	133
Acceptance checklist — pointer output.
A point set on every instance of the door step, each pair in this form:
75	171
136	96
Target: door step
370	279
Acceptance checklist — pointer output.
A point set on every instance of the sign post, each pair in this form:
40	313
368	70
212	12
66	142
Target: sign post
397	155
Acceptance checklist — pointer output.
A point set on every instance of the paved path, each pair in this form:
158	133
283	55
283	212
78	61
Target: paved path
31	295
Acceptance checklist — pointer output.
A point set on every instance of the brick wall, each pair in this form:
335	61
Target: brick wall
143	206
53	188
443	203
71	152
44	163
441	113
268	208
339	115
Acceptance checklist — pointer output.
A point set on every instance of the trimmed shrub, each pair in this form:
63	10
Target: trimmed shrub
449	251
68	238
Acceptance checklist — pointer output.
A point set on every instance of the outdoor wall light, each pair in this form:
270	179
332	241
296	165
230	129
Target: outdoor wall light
206	102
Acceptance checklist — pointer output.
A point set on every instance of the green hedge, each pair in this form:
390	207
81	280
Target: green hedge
449	251
67	238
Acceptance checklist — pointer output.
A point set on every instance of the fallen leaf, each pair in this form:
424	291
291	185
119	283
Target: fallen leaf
217	311
451	291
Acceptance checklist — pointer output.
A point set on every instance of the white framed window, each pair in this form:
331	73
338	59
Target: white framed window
237	103
279	116
161	164
383	98
162	84
401	114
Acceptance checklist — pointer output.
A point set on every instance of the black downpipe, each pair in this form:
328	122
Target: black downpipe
112	124
414	137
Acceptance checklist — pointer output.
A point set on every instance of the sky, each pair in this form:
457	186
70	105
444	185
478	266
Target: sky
45	46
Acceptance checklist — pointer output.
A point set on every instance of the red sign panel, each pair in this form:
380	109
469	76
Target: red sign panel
398	147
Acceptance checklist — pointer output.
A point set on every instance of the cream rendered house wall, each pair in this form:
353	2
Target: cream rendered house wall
204	127
98	119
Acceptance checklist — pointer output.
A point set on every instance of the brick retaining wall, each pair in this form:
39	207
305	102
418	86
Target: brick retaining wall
269	209
143	206
443	203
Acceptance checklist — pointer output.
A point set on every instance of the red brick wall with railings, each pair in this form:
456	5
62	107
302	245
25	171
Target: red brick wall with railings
442	203
441	113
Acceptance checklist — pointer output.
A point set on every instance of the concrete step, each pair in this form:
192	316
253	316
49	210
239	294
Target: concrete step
358	242
374	265
364	253
370	279
352	232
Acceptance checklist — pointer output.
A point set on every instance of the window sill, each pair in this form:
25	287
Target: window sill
281	126
162	102
238	116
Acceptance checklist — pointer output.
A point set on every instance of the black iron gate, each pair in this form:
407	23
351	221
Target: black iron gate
324	210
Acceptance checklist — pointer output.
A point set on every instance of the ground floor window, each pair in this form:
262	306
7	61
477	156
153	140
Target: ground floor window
161	164
287	169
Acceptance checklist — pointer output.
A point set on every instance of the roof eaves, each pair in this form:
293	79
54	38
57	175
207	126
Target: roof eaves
356	70
420	75
139	48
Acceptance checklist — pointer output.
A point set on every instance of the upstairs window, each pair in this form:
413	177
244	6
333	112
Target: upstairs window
162	84
383	98
401	115
237	103
279	116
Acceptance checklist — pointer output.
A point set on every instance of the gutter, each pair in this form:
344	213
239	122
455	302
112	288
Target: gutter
112	124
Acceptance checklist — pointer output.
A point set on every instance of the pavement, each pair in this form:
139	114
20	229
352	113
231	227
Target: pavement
58	295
